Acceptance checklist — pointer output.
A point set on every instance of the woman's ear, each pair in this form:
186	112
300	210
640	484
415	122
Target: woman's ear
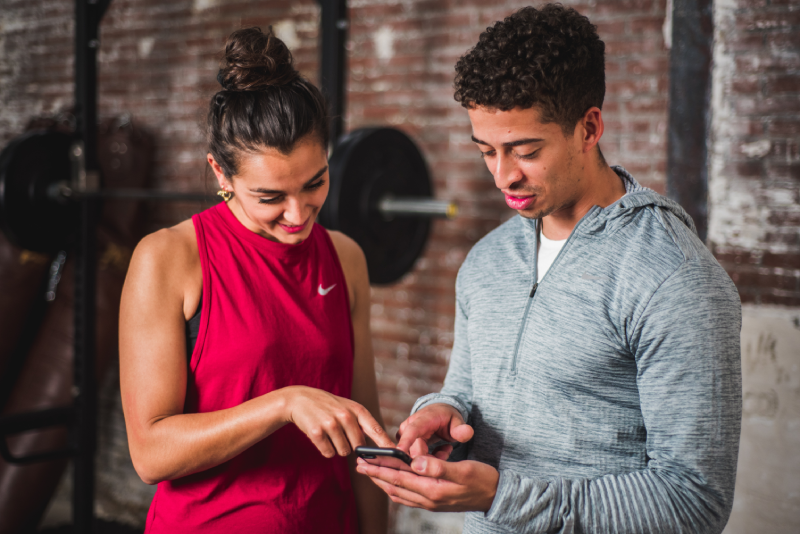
221	179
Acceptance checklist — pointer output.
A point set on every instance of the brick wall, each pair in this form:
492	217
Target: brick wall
401	71
755	157
158	61
754	230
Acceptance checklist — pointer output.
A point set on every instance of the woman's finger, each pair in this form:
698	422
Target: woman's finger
372	428
320	440
335	433
352	430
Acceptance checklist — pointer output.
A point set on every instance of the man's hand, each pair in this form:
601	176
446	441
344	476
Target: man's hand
437	485
433	423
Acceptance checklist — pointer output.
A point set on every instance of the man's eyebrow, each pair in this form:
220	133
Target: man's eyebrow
275	192
510	144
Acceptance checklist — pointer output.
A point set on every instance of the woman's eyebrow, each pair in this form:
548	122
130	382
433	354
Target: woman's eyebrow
276	192
511	144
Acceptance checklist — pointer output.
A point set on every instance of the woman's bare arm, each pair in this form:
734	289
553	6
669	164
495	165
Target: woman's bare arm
164	442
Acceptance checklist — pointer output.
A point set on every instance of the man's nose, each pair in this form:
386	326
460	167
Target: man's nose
506	171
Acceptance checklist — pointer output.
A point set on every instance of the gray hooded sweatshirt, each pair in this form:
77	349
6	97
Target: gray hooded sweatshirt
608	395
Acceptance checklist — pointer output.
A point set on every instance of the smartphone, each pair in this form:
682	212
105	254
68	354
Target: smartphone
372	453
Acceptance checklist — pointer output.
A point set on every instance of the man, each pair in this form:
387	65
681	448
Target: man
594	383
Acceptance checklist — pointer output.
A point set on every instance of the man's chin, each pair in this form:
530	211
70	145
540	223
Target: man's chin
534	213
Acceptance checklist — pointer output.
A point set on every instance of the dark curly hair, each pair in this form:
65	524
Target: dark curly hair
550	57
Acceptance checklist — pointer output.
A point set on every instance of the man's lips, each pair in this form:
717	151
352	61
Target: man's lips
519	203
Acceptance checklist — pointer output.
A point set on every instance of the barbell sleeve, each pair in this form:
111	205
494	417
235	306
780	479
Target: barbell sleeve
419	207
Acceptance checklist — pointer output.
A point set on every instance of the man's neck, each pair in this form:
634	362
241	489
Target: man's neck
602	188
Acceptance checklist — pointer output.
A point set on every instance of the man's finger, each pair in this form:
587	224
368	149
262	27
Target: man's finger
411	481
402	428
460	431
403	496
418	448
419	428
431	467
443	452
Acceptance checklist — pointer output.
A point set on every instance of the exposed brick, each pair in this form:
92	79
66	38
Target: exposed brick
750	169
768	20
607	29
788	261
628	47
784	171
781	126
654	65
746	85
647	24
787	83
784	41
168	90
748	42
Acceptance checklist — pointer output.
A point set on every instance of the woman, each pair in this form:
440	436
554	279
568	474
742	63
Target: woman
245	331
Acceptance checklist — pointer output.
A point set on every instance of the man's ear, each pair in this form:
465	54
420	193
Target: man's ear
590	128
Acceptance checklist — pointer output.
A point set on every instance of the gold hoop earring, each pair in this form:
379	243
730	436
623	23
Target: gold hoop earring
225	194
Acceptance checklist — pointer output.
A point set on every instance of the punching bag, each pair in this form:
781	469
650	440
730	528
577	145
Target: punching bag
46	378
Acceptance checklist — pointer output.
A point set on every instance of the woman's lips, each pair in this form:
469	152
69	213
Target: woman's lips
293	229
519	203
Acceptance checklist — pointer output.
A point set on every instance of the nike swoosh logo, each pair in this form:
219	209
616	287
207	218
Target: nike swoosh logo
587	276
324	292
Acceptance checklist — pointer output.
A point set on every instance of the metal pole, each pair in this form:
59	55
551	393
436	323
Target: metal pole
63	191
334	24
87	21
689	98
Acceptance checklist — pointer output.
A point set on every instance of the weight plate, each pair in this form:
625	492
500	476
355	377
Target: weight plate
28	166
368	165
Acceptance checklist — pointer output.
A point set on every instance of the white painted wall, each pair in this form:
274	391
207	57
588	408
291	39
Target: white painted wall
768	481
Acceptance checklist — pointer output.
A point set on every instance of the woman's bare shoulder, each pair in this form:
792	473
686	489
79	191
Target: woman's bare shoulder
171	243
170	254
350	254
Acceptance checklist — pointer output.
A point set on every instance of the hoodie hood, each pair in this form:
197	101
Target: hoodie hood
637	197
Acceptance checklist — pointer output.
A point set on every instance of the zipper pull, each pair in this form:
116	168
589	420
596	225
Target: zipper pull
533	290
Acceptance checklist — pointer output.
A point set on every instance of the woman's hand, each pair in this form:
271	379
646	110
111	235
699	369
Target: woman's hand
335	425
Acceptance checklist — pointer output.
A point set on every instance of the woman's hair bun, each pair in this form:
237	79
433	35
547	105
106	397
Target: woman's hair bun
255	60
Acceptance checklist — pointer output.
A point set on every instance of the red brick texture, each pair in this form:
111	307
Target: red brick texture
411	88
758	144
158	61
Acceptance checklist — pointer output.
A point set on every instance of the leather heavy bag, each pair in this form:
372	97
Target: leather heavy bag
22	286
22	276
47	376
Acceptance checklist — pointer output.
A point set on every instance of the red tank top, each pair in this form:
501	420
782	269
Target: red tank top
273	315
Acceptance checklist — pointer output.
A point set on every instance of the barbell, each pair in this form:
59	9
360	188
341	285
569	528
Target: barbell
380	195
